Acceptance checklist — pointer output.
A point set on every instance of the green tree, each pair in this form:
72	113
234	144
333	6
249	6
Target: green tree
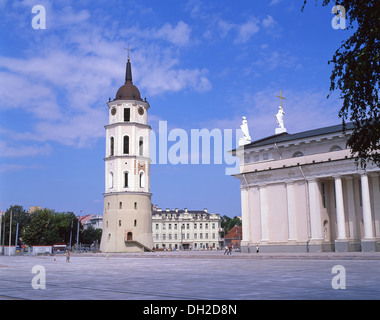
90	235
228	223
356	74
42	229
47	227
20	216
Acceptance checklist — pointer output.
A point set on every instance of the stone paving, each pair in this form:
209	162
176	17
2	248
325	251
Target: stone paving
189	276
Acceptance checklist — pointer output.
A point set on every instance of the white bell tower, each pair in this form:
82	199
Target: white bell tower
127	216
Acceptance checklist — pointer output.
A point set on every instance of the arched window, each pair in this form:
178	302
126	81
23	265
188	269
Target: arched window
110	180
126	179
141	146
112	146
142	178
126	145
129	236
297	154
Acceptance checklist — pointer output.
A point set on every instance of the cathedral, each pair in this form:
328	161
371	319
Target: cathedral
303	192
127	215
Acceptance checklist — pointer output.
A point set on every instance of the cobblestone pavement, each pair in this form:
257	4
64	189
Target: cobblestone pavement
190	276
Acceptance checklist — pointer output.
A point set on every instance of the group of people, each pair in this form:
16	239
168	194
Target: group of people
228	250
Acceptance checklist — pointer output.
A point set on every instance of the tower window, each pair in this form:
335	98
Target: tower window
110	182
120	205
135	205
141	146
142	180
119	223
126	145
112	146
135	223
127	115
126	177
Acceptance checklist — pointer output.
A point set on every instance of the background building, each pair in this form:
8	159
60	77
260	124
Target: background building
233	237
186	229
96	221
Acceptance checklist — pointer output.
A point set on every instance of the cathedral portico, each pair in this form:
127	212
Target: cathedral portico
303	192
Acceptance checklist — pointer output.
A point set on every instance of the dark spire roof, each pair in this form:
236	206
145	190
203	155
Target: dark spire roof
128	91
128	71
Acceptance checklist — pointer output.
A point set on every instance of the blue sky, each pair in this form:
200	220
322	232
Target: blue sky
201	64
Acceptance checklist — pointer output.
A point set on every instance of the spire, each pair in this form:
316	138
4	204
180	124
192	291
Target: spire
128	71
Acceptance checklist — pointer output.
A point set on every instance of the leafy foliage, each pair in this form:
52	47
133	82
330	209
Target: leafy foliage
356	74
228	223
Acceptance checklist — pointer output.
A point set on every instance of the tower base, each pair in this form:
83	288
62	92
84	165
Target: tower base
127	222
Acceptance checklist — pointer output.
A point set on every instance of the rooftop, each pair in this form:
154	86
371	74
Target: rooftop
285	137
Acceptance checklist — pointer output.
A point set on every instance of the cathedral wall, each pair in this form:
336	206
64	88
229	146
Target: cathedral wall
277	213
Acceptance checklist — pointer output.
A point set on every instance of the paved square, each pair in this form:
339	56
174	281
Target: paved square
179	276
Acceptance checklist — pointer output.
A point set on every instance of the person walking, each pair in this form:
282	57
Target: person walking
68	256
229	250
226	250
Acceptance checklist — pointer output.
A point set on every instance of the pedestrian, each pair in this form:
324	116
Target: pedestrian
229	250
257	249
108	256
68	256
226	250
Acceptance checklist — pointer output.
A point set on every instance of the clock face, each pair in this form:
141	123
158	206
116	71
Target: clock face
141	111
113	111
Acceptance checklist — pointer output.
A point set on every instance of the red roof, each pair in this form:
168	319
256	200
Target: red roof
234	233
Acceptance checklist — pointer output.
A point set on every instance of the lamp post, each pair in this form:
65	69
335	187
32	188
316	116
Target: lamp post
10	235
71	233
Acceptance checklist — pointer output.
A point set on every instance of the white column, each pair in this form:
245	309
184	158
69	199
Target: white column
351	208
292	236
366	202
341	223
315	210
376	202
263	213
245	216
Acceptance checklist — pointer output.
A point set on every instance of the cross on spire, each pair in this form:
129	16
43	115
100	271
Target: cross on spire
128	51
281	97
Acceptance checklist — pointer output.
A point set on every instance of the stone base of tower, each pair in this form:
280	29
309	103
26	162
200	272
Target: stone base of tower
127	222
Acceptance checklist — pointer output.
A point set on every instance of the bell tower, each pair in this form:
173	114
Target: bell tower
127	215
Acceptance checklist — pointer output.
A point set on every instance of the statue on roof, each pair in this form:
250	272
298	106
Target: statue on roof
280	116
244	127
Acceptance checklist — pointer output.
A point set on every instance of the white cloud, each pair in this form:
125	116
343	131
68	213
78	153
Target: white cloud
20	151
247	30
269	22
65	78
275	2
178	35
